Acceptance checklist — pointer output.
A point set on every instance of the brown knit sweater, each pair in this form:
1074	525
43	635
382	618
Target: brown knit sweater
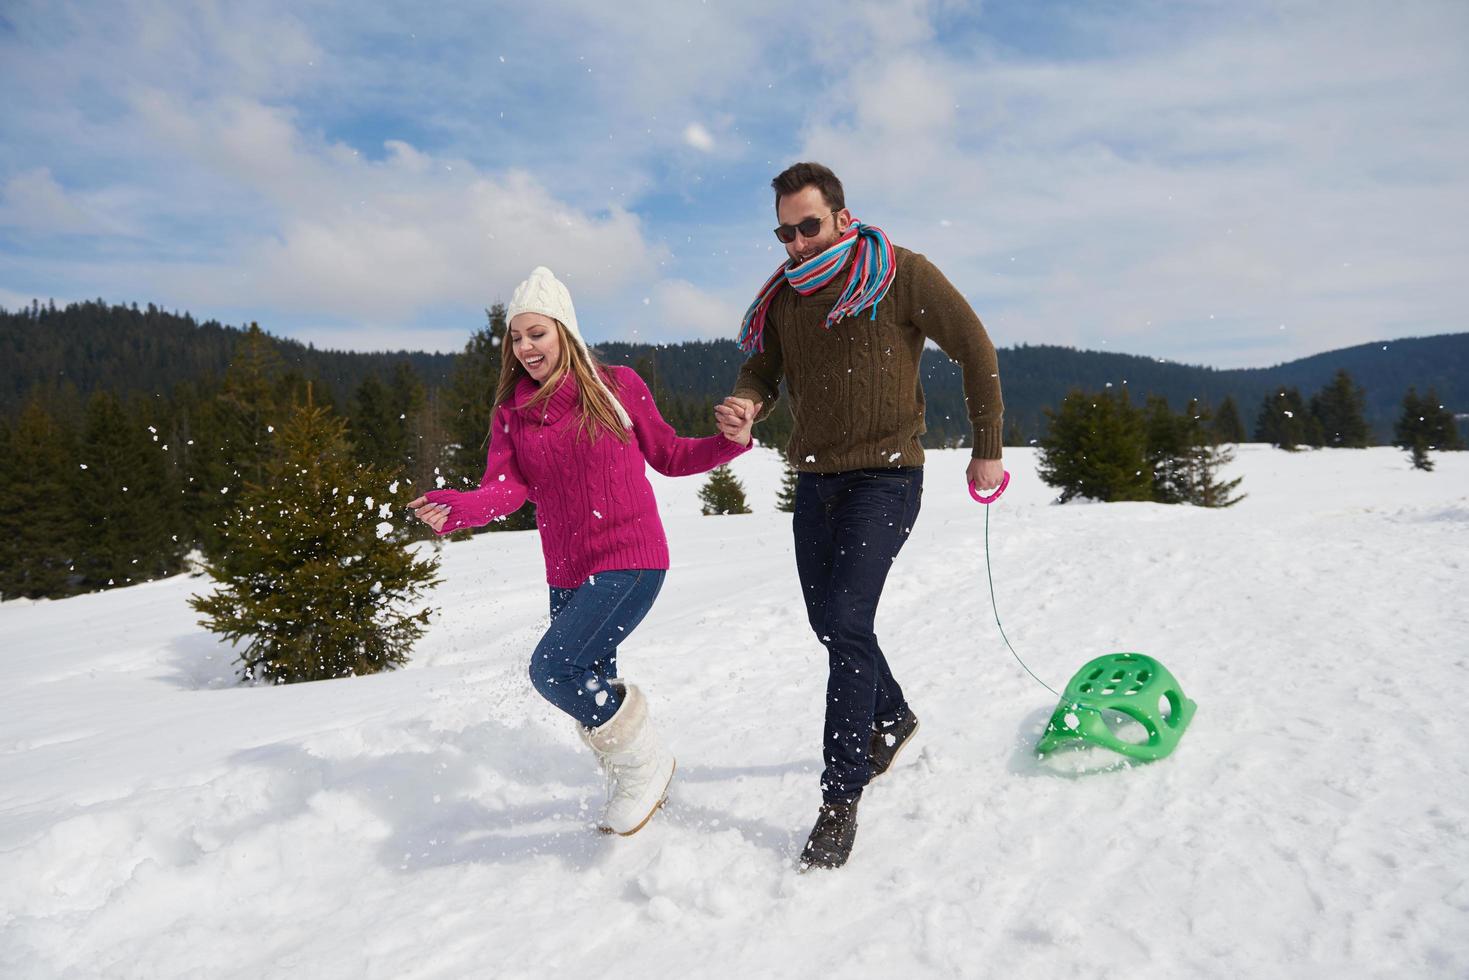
855	392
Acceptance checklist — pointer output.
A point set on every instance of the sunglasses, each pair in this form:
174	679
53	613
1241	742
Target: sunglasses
807	228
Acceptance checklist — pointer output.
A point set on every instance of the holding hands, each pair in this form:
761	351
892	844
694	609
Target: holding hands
735	416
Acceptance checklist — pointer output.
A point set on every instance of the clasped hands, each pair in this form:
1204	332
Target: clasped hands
735	416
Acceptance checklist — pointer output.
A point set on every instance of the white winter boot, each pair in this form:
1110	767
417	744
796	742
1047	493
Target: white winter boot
637	765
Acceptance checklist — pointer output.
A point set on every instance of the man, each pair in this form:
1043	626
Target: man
843	323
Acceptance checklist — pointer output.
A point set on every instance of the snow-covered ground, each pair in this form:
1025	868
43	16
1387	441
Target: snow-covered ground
156	820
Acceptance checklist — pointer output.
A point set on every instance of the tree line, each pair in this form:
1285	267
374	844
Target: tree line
113	489
117	488
132	351
110	490
1100	446
1334	416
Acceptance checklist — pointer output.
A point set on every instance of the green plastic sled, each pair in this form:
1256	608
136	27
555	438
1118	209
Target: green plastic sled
1132	684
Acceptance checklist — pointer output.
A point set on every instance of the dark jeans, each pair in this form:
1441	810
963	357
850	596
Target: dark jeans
849	527
578	655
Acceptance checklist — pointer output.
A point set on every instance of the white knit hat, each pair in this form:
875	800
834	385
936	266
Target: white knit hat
543	293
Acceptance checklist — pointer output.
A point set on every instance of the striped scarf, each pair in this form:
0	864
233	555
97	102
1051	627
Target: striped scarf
871	276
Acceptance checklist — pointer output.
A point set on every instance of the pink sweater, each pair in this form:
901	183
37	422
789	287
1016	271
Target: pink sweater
594	505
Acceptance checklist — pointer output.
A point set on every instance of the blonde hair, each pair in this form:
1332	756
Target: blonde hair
596	409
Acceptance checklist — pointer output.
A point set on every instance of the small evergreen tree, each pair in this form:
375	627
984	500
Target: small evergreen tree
1207	455
1227	425
1284	421
1339	409
785	499
1423	425
1095	446
723	493
1171	440
319	578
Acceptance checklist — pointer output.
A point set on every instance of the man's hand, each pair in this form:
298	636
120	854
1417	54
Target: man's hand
734	416
985	474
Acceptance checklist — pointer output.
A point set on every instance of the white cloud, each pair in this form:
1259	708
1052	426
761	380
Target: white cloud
698	137
681	310
1179	199
32	200
385	239
1090	178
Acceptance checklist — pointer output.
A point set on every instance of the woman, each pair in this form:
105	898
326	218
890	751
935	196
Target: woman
574	436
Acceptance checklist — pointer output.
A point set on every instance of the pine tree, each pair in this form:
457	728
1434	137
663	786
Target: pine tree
1095	446
196	445
39	528
407	398
466	408
1424	425
1284	421
785	500
125	499
320	579
723	493
1206	457
428	438
1227	425
466	403
250	409
235	441
383	416
1339	409
1170	441
376	440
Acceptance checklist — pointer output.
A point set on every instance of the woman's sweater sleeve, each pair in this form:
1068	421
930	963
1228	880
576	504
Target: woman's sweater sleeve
501	491
665	450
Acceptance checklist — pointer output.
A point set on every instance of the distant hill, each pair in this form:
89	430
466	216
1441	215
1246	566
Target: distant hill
1038	377
144	351
131	350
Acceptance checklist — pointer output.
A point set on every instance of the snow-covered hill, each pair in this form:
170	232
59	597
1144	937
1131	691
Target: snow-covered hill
156	820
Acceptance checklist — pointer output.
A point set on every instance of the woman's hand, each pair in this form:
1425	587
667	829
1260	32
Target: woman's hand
735	417
434	515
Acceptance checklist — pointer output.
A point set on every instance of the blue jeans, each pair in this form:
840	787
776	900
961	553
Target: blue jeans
578	655
848	528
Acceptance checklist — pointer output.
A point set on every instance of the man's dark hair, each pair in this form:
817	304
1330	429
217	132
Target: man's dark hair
798	176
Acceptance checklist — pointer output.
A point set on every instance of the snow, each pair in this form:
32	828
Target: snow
158	820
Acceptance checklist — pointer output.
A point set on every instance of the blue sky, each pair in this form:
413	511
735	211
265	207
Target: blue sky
1234	184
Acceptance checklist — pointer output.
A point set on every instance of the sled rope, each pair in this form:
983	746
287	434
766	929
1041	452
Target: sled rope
989	573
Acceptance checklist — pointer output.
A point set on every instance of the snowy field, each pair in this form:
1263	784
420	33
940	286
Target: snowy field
157	820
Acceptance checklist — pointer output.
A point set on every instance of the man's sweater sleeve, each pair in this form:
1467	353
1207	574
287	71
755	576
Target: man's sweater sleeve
942	314
759	379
